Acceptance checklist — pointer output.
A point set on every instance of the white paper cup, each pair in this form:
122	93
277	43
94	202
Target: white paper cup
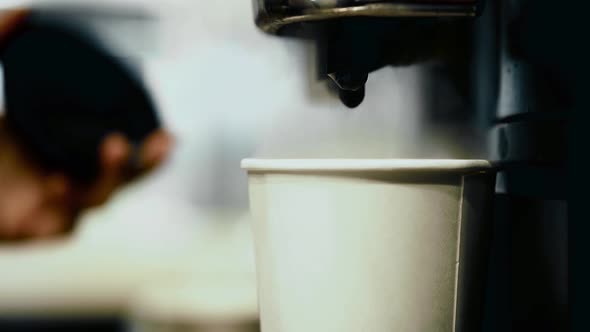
370	245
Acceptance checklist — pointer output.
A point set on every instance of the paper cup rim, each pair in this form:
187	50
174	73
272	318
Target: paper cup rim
362	165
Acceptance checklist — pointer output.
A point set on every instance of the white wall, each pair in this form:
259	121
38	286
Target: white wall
229	92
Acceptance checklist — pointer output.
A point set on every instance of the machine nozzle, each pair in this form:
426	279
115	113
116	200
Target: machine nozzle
351	87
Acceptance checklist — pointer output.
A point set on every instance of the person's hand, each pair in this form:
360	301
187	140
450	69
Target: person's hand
37	204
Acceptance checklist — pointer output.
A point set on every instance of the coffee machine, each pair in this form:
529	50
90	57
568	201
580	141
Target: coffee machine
519	99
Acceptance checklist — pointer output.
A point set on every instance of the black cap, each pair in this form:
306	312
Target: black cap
64	92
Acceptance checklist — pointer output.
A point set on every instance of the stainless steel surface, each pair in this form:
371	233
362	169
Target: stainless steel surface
271	15
357	37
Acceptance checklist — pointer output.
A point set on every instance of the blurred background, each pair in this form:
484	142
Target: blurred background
173	252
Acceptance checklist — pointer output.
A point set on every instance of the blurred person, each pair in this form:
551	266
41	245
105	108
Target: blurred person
76	126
